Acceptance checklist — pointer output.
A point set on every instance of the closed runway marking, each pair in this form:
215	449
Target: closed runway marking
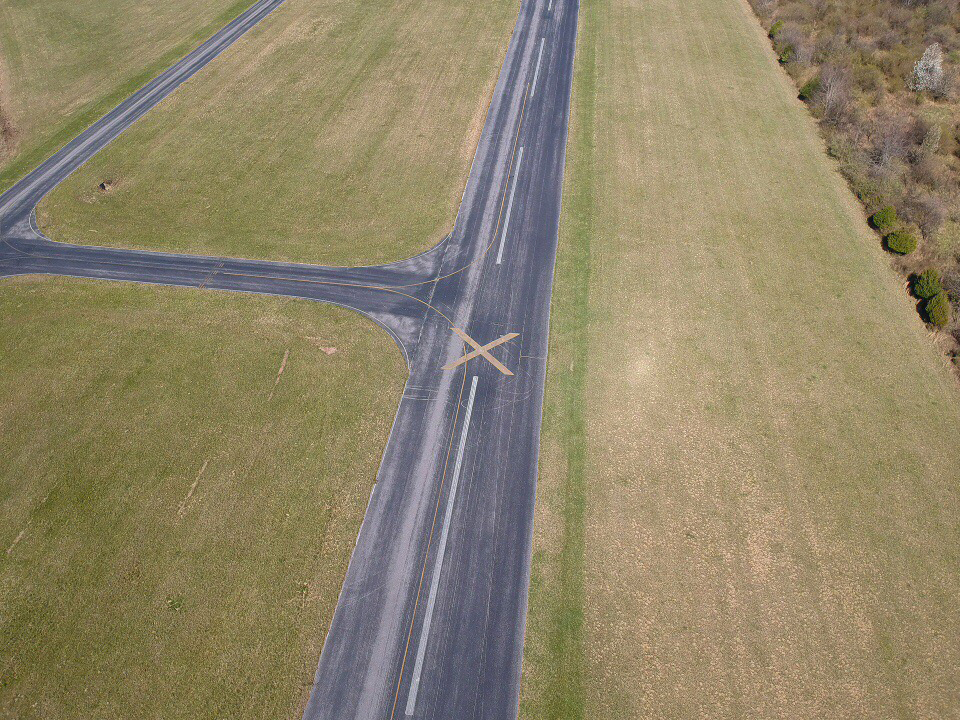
479	350
441	549
536	74
506	222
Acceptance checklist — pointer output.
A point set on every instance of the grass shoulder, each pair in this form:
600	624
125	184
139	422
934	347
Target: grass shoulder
178	464
335	134
747	493
58	85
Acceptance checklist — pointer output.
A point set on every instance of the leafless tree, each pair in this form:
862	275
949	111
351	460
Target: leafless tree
795	38
890	138
928	211
835	93
924	138
764	8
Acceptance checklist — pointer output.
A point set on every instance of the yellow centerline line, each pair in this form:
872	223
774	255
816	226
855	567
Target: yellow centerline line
423	571
426	557
391	289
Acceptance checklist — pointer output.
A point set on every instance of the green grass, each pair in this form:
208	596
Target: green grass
553	681
175	524
748	499
65	63
336	132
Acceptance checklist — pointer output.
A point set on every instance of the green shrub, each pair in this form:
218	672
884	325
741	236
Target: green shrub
885	219
786	54
810	88
775	29
937	309
927	284
901	242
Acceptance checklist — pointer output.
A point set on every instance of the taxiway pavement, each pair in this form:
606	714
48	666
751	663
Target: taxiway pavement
430	620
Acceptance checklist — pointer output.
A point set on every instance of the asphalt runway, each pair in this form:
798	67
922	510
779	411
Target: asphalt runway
430	620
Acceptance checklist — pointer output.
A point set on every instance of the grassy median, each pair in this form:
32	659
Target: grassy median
183	477
748	504
64	63
336	132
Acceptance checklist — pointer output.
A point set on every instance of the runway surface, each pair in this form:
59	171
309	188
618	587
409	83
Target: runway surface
430	619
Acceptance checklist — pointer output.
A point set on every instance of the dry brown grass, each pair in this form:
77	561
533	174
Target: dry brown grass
8	132
769	495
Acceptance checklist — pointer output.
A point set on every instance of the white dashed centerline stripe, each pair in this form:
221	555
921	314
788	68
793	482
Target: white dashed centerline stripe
441	549
506	222
536	73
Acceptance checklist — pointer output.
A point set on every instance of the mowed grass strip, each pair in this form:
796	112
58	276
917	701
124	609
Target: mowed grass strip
552	682
748	504
337	132
176	515
64	63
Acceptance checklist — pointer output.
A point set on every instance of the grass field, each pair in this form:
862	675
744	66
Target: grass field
748	503
336	132
63	63
176	522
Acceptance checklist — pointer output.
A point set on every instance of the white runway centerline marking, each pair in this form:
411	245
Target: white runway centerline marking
441	549
536	73
506	222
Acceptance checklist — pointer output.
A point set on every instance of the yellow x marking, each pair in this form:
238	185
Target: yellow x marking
479	350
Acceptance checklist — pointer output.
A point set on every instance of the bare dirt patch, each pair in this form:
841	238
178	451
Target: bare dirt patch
283	365
193	488
8	131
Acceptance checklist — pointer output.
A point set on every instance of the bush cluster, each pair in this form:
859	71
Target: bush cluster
927	284
883	79
937	309
901	242
810	88
884	220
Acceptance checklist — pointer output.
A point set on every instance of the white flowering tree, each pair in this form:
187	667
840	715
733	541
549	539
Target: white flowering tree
928	72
